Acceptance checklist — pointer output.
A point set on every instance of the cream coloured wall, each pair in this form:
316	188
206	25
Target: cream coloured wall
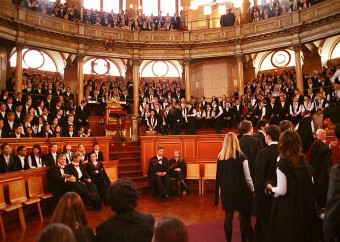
214	78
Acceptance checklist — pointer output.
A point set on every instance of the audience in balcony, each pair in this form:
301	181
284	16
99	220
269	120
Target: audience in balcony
268	9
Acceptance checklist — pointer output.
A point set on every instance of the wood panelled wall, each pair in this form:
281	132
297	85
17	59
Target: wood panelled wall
193	148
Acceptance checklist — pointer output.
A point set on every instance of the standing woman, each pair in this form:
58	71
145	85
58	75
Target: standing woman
178	170
293	210
233	178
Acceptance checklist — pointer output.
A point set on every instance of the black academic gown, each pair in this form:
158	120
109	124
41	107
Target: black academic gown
306	134
159	185
293	215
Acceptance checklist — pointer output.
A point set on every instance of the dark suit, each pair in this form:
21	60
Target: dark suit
82	114
261	137
87	187
4	168
250	146
56	184
128	227
265	168
331	224
49	160
3	133
19	164
99	178
159	184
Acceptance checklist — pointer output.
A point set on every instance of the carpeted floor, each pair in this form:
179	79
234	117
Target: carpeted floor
212	231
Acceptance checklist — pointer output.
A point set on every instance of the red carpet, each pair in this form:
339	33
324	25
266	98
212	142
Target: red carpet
214	231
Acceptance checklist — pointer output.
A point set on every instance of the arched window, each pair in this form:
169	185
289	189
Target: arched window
278	59
101	66
91	4
160	69
34	59
336	51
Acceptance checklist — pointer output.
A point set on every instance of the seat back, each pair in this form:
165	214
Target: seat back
210	171
193	171
2	197
35	186
112	173
17	191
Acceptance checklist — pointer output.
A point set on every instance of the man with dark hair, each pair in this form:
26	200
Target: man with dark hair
7	161
265	167
95	150
3	132
51	158
285	125
250	146
158	176
82	114
261	131
21	159
18	129
127	224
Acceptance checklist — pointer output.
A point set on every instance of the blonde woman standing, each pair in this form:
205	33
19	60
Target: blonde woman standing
233	178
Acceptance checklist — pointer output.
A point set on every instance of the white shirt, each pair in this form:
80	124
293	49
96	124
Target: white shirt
22	160
76	165
159	159
335	76
247	175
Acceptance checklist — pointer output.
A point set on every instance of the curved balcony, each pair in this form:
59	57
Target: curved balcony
33	29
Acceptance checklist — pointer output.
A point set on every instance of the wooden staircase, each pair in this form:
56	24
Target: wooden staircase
129	166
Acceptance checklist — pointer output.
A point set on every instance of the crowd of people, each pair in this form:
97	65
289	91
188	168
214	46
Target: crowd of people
292	196
274	97
69	222
121	20
268	9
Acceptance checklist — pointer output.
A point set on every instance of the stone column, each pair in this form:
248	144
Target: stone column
136	64
186	63
80	59
18	69
240	82
298	69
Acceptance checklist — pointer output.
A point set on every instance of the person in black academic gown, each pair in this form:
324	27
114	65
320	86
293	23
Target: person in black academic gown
158	175
265	167
305	129
293	215
178	170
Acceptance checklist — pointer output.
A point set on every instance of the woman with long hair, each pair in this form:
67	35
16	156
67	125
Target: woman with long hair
71	212
83	155
178	170
236	186
293	213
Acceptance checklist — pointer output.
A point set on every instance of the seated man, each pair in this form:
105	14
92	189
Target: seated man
21	159
158	175
7	160
96	171
86	189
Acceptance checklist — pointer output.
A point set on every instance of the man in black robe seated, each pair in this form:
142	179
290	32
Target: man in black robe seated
86	189
96	171
158	176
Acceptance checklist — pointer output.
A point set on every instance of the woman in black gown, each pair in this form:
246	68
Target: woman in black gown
293	213
233	178
178	170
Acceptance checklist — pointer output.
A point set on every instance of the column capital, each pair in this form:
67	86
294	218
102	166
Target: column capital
297	47
80	57
19	46
186	61
239	57
136	61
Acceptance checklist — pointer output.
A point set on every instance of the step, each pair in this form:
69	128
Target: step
143	186
130	167
129	174
124	147
125	154
129	160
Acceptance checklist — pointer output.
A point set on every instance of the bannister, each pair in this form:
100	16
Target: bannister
68	35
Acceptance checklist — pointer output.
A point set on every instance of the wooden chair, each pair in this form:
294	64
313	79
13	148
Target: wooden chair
112	173
209	173
17	194
7	208
36	188
193	173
